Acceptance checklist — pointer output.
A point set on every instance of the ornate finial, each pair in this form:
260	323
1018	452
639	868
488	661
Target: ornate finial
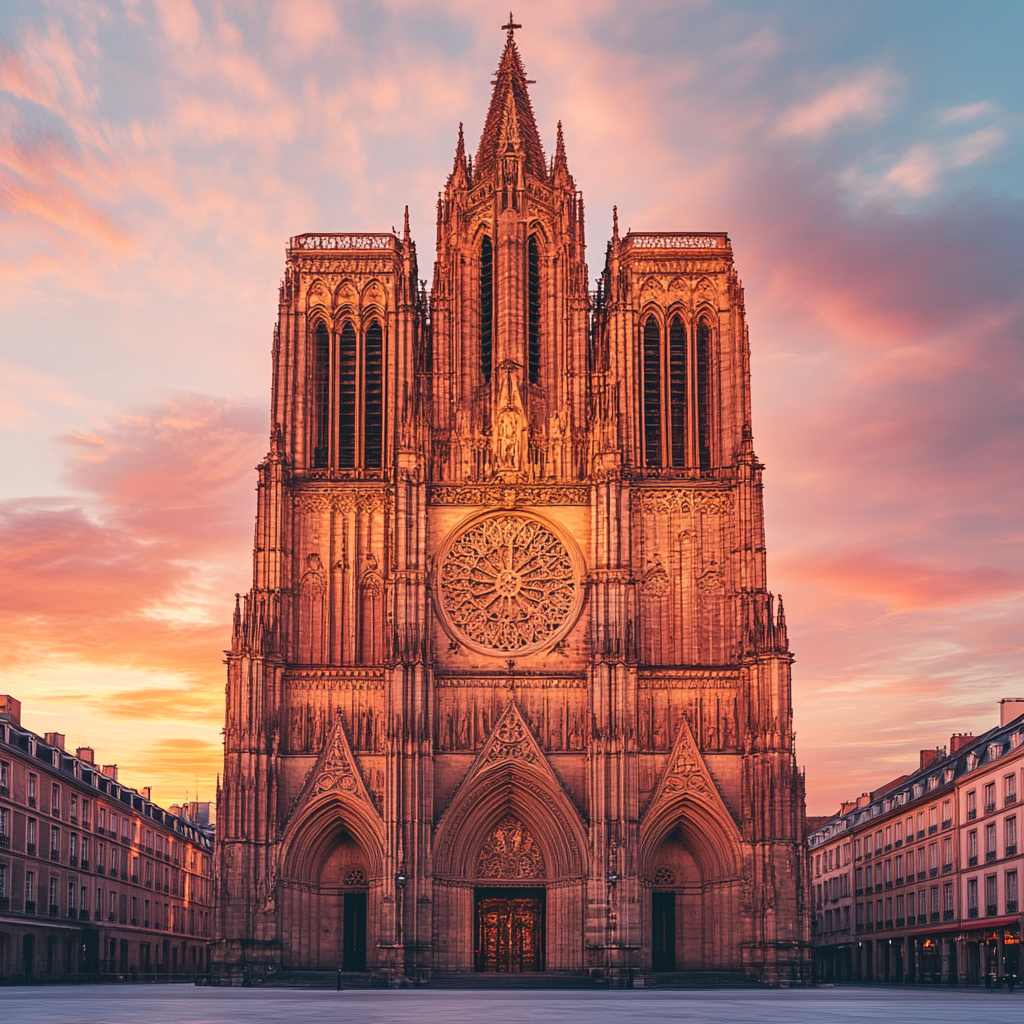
615	223
511	27
405	226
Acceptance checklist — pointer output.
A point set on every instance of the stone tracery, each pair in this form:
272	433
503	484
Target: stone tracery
508	583
510	852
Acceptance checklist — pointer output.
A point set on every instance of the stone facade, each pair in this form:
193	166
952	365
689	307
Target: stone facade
919	881
509	691
96	881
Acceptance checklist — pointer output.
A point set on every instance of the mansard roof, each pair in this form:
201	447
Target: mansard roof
510	100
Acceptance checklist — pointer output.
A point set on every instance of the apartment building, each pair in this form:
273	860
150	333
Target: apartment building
919	880
96	881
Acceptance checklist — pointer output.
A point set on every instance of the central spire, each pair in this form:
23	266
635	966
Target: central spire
510	125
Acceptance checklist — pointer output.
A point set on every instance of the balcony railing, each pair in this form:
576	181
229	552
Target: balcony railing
30	849
671	240
947	915
990	855
30	906
338	241
85	864
991	910
972	813
972	912
989	808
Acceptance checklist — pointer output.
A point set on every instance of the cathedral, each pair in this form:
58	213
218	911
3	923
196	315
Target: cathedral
509	692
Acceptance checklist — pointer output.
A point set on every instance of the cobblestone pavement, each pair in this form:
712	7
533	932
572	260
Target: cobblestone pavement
185	1004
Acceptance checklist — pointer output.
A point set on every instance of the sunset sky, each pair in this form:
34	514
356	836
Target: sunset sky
864	157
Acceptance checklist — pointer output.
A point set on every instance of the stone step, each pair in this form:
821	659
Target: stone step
700	979
317	979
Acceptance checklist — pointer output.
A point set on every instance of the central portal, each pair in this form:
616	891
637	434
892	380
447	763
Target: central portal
510	930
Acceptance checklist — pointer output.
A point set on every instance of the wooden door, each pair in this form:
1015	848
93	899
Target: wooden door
510	934
663	939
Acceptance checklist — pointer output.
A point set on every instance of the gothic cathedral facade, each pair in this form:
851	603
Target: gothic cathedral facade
509	692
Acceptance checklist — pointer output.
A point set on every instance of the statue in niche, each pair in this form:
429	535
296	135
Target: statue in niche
660	729
576	732
463	732
295	731
556	730
510	431
448	732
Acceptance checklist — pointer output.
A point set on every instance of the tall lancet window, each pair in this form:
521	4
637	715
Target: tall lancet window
321	395
373	391
678	385
533	309
704	394
486	306
347	374
652	392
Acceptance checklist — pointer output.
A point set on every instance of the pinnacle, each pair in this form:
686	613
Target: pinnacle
510	119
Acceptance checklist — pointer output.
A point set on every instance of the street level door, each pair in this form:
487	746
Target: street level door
663	940
353	954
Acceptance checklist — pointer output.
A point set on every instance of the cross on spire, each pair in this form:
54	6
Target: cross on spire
511	26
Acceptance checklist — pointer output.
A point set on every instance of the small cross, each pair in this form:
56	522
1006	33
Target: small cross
511	26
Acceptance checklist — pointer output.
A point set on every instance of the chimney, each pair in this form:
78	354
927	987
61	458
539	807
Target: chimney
86	754
928	758
846	806
110	770
55	739
958	740
175	809
1009	708
10	708
145	791
863	800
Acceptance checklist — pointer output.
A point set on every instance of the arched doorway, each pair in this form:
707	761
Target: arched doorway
330	890
509	904
694	893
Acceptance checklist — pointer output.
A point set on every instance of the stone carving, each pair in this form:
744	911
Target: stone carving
507	583
710	582
510	852
683	499
497	496
511	742
655	582
664	876
354	876
338	770
375	501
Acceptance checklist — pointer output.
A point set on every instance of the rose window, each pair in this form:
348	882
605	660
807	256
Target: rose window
355	876
507	583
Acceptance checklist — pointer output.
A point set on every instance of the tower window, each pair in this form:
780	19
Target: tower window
321	394
652	392
678	405
704	394
677	390
486	306
533	309
373	434
347	397
355	402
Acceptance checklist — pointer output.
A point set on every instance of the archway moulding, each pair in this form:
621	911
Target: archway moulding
510	775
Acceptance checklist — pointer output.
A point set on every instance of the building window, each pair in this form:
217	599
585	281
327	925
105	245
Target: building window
358	397
972	897
71	899
935	903
991	895
910	907
30	892
947	854
990	797
1010	790
703	333
53	896
867	845
652	392
972	847
1010	836
486	306
85	813
533	309
30	836
54	844
55	800
990	842
5	778
33	785
933	858
74	807
321	395
947	813
1012	897
5	828
947	902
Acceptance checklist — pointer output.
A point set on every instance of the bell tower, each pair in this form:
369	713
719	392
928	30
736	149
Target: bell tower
510	303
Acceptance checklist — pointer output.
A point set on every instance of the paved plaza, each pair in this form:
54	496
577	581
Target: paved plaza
184	1004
